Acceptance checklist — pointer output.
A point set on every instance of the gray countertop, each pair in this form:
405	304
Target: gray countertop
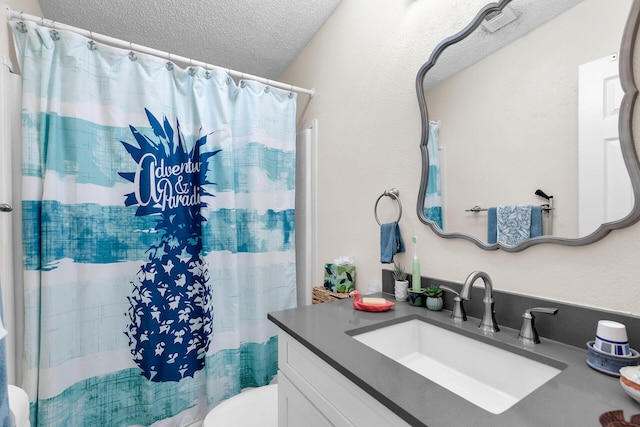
575	397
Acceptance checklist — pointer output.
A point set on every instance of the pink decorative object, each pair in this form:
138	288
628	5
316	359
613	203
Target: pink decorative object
359	305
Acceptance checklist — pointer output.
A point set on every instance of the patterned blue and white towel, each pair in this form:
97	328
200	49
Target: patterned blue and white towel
513	224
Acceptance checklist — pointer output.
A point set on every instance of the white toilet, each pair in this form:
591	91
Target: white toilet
19	407
255	407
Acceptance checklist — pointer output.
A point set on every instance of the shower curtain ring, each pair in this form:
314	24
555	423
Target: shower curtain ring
132	54
91	44
21	25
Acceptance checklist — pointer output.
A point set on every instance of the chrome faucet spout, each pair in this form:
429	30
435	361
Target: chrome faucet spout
457	313
488	323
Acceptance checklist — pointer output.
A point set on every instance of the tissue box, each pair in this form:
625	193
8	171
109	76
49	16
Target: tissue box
339	278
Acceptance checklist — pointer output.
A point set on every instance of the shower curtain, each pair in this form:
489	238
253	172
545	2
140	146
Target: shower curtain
433	196
158	221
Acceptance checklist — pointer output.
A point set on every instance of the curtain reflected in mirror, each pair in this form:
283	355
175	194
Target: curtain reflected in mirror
540	111
433	198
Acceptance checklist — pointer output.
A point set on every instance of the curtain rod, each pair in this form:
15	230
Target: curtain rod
111	41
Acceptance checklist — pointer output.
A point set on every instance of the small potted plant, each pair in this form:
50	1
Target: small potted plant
401	282
416	297
434	298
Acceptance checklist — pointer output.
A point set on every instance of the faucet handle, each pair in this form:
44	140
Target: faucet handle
528	332
458	312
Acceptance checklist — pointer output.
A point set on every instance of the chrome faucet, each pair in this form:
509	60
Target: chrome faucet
528	332
457	313
488	323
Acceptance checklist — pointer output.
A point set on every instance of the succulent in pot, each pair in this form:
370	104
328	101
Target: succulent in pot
433	291
434	298
398	272
401	282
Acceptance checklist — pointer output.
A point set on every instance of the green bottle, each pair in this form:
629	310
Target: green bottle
416	279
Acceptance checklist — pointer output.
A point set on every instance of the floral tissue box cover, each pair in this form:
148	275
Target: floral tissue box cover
339	278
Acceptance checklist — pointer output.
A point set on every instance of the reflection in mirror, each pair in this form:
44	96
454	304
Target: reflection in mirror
524	122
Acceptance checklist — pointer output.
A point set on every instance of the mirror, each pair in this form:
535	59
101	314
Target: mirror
535	114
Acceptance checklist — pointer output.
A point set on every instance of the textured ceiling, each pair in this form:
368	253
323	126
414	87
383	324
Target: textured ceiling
259	37
481	43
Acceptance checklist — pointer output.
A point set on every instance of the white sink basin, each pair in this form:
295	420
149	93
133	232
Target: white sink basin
488	376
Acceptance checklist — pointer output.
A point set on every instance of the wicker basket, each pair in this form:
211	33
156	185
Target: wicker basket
320	295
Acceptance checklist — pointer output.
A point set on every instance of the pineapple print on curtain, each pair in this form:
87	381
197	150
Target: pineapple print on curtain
170	313
158	221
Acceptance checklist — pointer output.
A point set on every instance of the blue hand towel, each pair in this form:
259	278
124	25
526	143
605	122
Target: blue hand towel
536	221
492	232
390	242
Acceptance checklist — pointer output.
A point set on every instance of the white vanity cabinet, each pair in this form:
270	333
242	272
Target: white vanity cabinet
312	393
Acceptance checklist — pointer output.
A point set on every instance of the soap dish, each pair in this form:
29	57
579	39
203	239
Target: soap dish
609	363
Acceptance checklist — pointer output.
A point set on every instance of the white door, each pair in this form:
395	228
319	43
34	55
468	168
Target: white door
305	217
605	193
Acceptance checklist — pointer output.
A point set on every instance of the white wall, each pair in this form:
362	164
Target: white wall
27	6
363	64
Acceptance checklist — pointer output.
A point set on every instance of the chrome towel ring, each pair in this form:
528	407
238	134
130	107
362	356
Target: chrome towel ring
394	193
